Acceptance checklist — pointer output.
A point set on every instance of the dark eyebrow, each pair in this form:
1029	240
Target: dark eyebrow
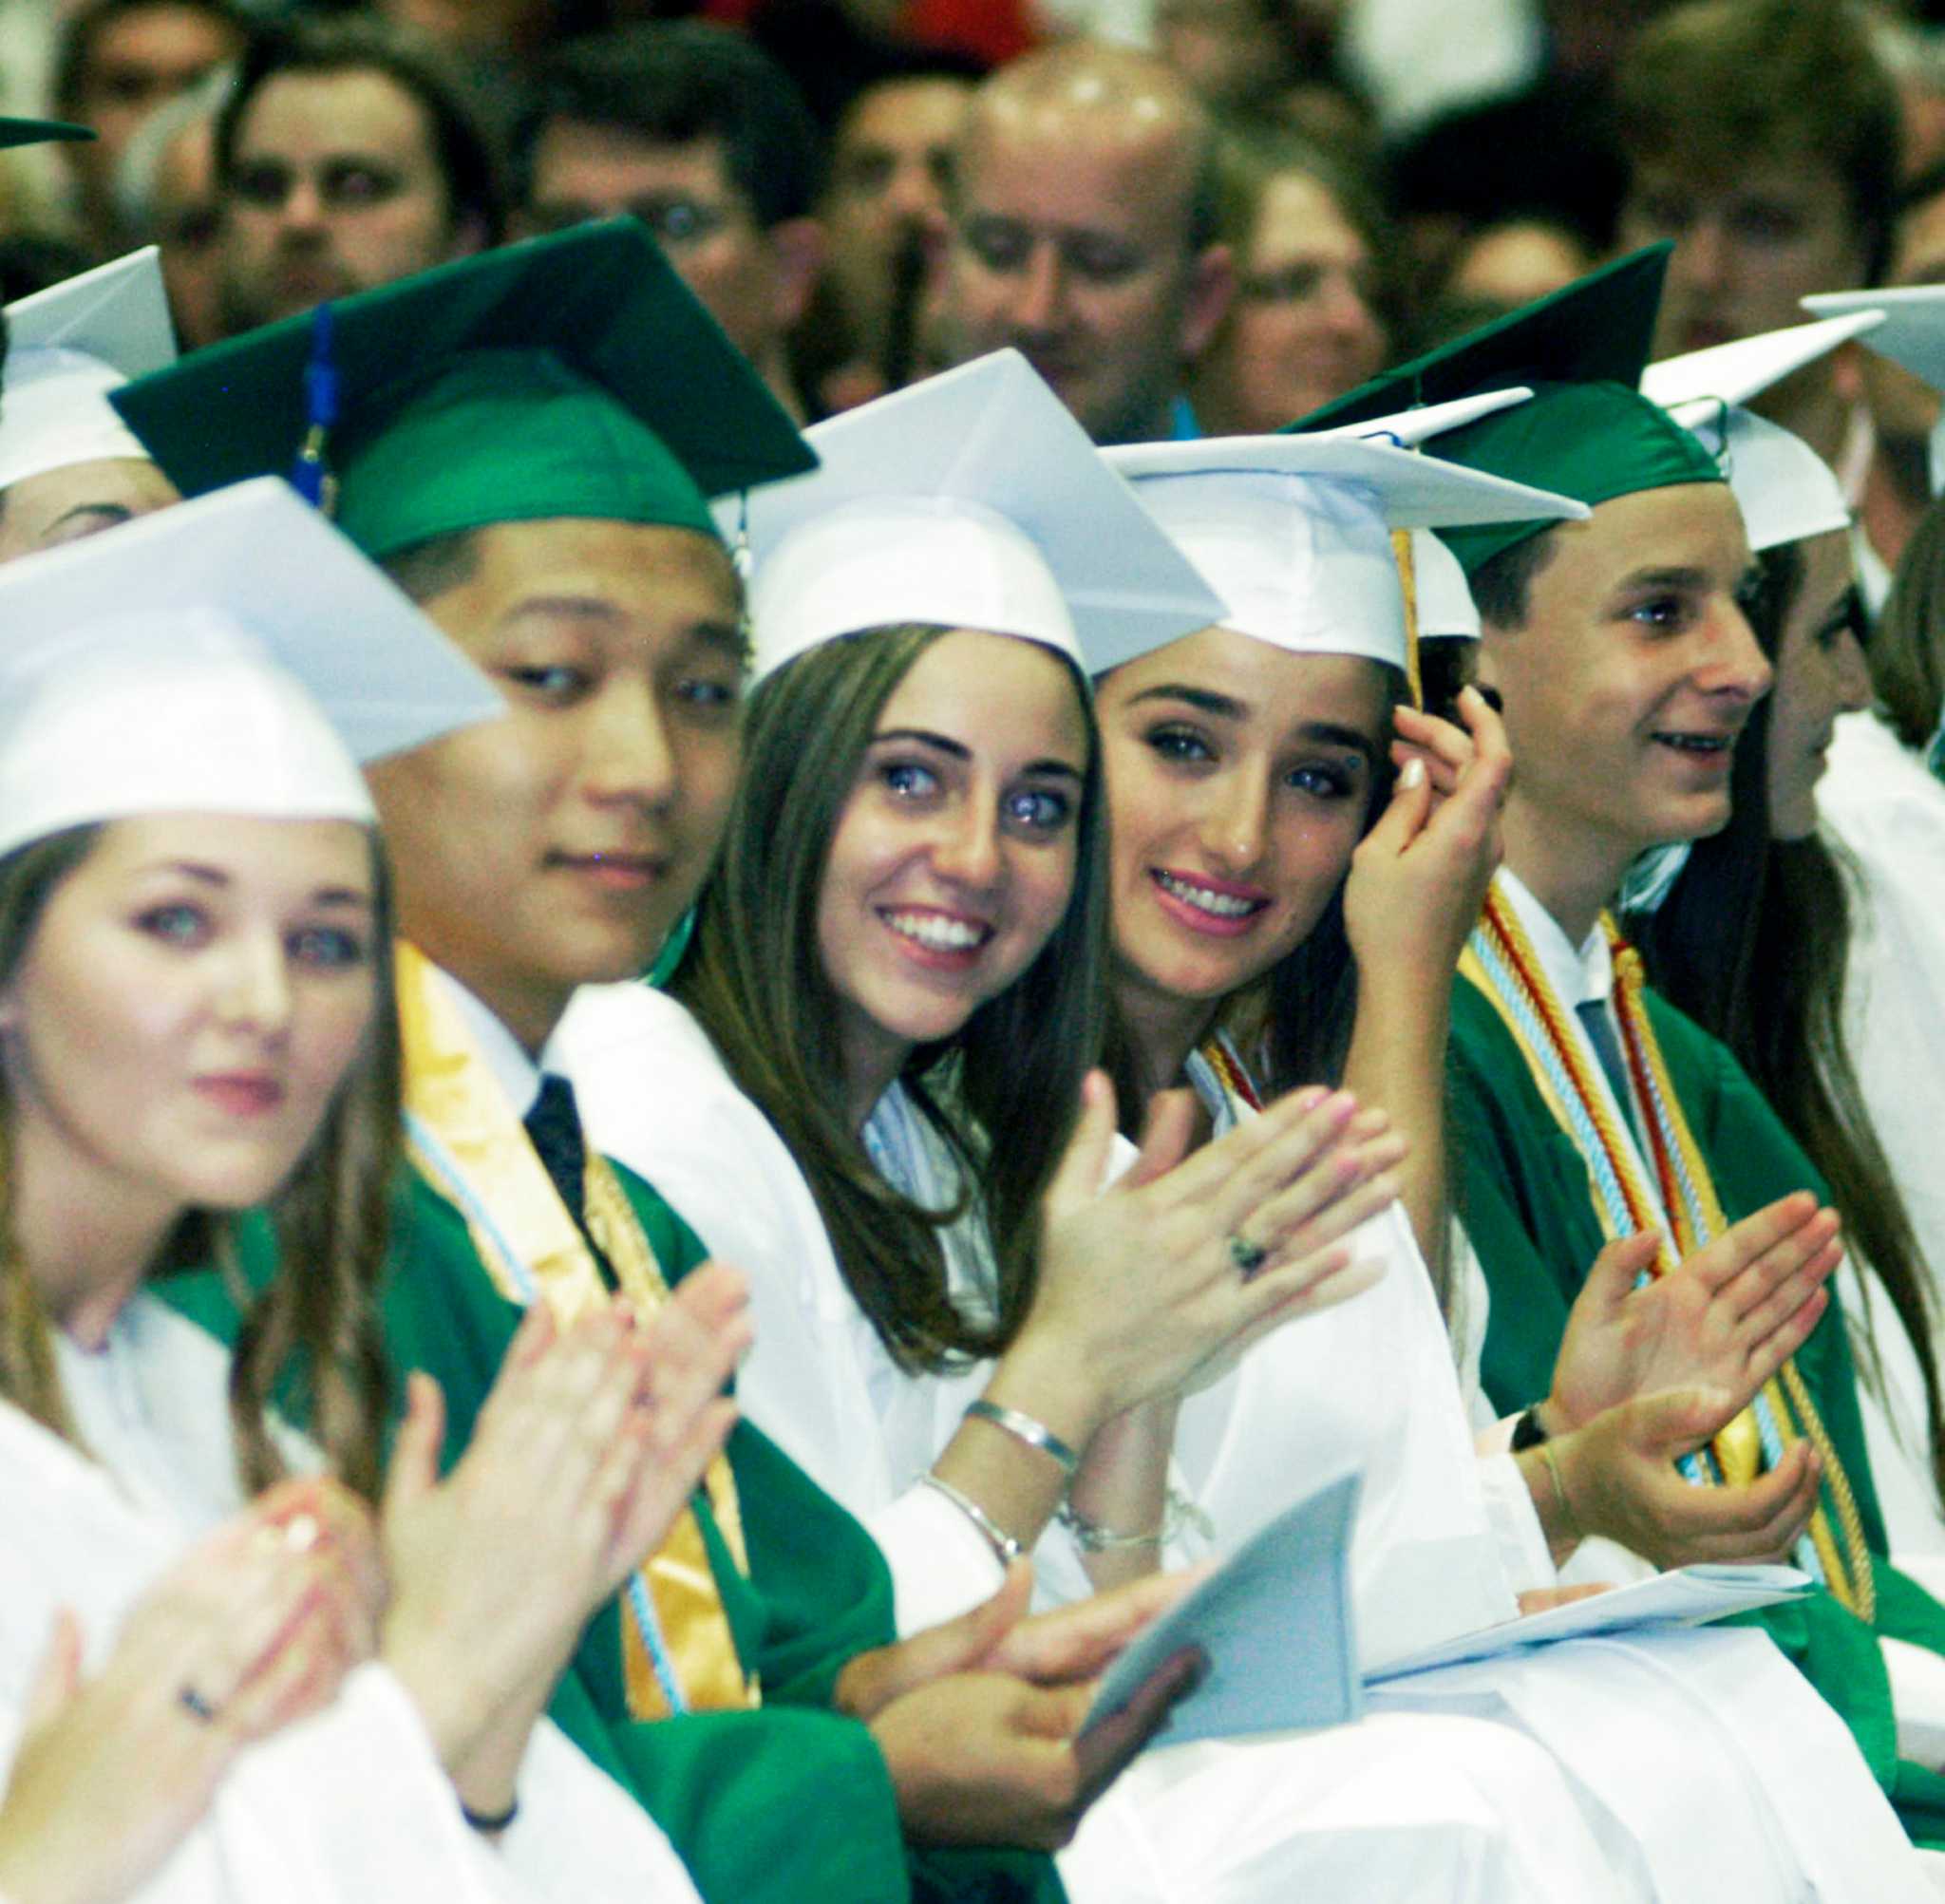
1698	579
723	634
1332	734
958	749
112	514
1054	769
1221	705
189	868
341	895
586	607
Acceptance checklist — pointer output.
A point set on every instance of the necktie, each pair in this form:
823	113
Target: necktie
1607	1048
553	1129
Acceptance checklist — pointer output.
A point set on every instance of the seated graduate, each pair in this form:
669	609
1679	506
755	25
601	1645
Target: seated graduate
194	1020
863	605
1770	877
1628	669
69	466
537	478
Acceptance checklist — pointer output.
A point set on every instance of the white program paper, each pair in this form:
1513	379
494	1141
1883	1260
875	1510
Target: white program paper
1274	1625
1688	1596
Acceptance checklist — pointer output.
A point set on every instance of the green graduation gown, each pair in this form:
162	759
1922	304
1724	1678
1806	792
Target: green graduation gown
1528	1205
789	1802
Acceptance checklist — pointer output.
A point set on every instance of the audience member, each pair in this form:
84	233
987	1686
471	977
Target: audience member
884	211
166	194
1084	233
345	158
1762	136
705	139
118	61
1307	322
1499	266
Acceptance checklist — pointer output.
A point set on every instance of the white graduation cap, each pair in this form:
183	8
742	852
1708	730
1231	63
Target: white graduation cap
1785	489
235	655
1912	333
67	347
1744	368
973	500
1409	428
1443	596
1295	532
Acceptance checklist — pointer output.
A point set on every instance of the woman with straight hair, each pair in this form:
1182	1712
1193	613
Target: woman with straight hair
196	1023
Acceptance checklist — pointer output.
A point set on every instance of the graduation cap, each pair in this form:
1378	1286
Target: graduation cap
1443	598
1785	489
1912	334
973	500
572	375
40	131
1587	432
68	347
170	669
1295	532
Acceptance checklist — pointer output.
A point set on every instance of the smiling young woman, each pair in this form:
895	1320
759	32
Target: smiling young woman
196	1041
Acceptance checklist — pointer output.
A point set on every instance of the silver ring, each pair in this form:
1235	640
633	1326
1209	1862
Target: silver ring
1247	1256
196	1705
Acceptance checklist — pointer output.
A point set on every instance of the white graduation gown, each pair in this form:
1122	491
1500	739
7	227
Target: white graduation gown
1372	1380
347	1808
1885	814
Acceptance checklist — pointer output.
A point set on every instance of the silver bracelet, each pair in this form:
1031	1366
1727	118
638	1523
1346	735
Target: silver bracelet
1025	1428
1003	1544
1092	1537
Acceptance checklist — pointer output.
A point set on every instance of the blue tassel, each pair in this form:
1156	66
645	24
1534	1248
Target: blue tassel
311	476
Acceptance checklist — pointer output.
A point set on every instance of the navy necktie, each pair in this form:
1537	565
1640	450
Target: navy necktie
553	1129
1607	1048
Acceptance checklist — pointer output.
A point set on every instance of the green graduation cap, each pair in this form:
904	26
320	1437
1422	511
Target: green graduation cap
38	131
569	375
1588	433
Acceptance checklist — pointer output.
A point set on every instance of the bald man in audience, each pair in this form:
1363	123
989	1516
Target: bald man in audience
1084	232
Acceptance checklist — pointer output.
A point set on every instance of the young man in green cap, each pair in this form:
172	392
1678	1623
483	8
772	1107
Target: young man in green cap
1587	1108
547	502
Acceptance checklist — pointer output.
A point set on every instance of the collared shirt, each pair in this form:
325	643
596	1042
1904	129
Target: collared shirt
504	1055
1579	975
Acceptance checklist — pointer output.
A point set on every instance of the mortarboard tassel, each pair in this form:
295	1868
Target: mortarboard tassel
311	478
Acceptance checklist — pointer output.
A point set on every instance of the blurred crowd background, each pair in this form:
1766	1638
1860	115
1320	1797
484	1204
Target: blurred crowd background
1190	213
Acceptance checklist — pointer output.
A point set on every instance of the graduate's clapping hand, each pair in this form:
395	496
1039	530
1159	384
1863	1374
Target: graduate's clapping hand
591	1442
1728	1317
250	1632
1419	877
1619	1478
1141	1293
979	1719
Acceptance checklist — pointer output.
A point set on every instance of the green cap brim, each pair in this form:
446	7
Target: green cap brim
570	375
1600	328
1593	442
41	131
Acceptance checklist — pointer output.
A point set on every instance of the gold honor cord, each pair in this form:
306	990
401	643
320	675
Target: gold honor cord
1501	963
1407	579
468	1144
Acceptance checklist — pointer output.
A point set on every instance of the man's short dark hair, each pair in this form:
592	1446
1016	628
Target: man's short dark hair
1718	85
676	82
88	21
1502	585
464	152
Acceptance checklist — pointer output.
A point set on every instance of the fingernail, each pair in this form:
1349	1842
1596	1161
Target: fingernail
1413	773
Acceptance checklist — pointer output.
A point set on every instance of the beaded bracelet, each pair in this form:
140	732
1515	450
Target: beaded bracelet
1092	1537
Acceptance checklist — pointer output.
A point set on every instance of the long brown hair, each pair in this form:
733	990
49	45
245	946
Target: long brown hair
315	1323
1716	949
754	979
1906	651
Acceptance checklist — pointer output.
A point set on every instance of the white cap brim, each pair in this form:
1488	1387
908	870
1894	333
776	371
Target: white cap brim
973	500
234	654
